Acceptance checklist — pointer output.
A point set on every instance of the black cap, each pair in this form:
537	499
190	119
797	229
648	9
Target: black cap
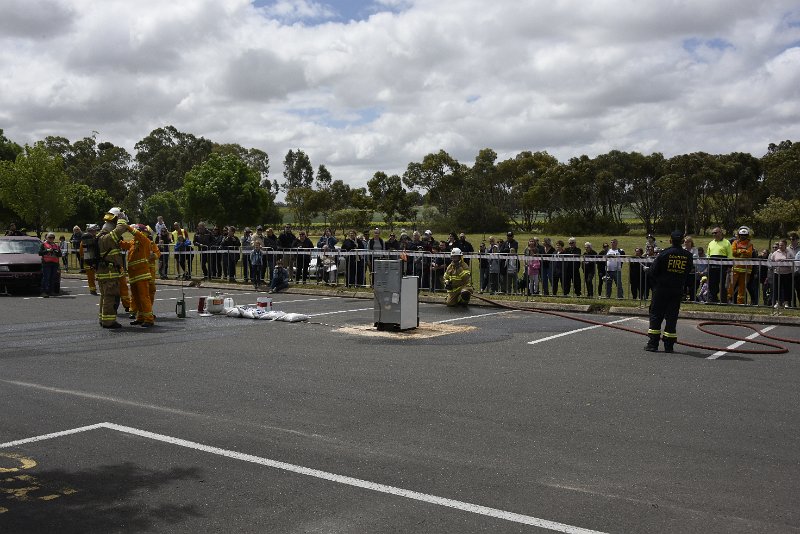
676	235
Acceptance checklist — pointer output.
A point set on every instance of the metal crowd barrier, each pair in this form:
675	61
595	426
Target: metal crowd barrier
769	282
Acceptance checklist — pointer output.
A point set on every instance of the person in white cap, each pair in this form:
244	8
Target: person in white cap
742	249
457	280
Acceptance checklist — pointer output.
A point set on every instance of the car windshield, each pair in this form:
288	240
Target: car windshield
19	246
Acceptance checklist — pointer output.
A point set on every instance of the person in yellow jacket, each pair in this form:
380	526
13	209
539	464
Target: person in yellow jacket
457	280
139	252
718	249
742	248
110	265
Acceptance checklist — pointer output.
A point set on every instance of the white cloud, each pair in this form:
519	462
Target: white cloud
569	77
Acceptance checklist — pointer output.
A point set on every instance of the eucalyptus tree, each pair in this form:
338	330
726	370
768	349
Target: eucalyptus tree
36	188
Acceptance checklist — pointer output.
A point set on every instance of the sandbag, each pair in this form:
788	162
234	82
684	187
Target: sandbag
293	317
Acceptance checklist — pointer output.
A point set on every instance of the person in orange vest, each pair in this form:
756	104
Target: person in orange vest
742	248
139	252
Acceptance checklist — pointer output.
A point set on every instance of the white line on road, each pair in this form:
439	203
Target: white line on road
324	475
578	330
739	343
340	311
473	317
51	436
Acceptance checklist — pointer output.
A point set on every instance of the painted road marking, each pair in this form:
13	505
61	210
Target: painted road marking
473	317
578	330
340	311
740	343
324	475
50	436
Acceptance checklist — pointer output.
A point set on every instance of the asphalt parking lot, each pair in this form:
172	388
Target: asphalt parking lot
505	422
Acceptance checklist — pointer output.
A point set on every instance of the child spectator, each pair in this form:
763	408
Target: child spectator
702	294
63	244
533	268
256	261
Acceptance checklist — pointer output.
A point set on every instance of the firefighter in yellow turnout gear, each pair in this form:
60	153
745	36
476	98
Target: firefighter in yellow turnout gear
457	280
139	251
155	253
110	265
742	248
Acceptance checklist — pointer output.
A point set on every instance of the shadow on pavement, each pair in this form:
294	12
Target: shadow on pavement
105	499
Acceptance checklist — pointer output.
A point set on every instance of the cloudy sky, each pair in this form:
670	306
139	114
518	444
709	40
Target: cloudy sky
371	85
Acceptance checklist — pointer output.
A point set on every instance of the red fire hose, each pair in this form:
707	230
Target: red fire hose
774	347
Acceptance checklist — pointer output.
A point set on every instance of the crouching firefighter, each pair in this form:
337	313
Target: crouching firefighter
109	265
669	274
457	279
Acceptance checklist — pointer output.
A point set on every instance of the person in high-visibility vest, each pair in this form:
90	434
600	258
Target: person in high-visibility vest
457	279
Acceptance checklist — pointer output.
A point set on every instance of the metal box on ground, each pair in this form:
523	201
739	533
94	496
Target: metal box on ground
396	302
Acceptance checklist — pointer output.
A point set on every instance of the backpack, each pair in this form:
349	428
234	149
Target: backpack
91	248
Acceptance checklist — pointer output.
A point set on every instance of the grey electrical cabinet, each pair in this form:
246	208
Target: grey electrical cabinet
396	302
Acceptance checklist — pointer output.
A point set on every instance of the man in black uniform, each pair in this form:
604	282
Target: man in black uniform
668	275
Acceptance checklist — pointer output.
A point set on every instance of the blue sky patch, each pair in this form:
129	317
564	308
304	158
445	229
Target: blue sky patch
340	10
691	45
338	121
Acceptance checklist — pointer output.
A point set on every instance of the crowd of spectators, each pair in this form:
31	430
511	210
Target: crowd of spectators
539	268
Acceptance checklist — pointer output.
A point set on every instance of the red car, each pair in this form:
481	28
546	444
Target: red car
21	265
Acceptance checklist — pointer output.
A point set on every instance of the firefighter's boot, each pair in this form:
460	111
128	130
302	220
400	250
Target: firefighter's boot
652	343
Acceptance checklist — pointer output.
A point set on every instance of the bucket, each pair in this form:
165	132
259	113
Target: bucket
228	302
264	302
215	304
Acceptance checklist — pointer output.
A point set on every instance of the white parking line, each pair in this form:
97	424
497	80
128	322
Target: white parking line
740	343
324	475
548	338
340	311
473	317
51	436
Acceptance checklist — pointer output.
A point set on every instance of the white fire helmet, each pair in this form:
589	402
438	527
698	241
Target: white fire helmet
456	252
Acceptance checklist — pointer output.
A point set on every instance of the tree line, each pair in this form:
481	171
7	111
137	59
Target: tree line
58	183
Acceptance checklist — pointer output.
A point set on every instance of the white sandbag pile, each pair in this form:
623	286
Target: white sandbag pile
255	312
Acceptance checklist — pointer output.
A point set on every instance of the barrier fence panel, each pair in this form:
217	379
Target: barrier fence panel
755	282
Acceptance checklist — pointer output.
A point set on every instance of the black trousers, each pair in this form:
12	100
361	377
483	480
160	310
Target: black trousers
572	275
664	308
716	279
